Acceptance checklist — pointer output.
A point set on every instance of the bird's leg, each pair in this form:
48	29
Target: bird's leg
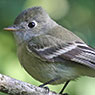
64	88
49	82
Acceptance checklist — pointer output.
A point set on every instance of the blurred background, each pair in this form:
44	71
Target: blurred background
76	15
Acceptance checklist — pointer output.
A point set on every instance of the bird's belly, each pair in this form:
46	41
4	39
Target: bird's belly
44	72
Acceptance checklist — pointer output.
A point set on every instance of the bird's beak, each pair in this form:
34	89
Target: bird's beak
10	28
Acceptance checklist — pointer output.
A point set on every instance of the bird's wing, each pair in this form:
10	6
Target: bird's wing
76	52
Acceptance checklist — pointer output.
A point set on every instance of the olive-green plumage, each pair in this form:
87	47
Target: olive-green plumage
48	51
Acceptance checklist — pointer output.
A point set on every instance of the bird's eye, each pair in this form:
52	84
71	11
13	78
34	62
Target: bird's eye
32	24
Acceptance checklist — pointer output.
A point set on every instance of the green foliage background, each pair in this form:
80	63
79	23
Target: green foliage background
76	15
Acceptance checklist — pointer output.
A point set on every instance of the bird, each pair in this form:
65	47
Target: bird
49	52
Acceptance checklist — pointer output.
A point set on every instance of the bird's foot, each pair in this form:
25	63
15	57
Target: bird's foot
45	87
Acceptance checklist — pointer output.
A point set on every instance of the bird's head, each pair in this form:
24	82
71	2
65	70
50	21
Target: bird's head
31	22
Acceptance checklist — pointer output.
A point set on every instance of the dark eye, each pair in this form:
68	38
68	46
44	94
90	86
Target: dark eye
32	24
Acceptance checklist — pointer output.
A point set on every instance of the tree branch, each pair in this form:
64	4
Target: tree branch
15	87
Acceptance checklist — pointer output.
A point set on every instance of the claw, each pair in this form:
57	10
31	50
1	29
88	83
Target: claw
46	88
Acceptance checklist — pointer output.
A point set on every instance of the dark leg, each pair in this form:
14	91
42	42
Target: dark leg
64	88
49	82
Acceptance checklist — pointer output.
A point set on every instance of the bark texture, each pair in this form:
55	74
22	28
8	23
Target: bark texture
12	86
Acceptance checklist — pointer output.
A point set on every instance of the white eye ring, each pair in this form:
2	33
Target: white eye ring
32	24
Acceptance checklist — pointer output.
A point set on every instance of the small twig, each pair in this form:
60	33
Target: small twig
15	87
